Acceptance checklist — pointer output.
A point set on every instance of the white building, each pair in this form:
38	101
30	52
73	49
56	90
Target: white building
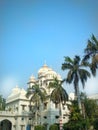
20	114
94	97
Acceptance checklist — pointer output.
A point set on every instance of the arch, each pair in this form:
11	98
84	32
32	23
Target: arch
5	119
5	125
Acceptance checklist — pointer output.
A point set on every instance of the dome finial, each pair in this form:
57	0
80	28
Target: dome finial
45	62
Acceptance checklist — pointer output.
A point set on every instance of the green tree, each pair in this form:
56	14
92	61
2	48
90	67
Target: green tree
2	103
90	108
76	119
91	54
37	96
59	94
39	127
54	127
95	124
76	73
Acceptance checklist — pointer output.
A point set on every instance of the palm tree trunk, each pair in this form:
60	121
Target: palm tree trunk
36	117
60	113
78	99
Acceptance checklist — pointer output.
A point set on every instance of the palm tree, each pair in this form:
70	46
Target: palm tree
91	54
76	73
58	94
37	96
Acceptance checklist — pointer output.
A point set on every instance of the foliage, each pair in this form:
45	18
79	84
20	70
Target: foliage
37	95
2	103
76	72
90	107
95	124
39	127
58	94
91	54
36	91
76	119
76	125
54	127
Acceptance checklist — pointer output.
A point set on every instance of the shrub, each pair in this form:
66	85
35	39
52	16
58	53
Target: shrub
54	127
96	124
39	127
76	125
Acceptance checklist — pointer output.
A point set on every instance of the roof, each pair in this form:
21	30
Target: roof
17	93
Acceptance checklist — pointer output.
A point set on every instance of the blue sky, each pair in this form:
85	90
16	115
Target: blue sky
35	31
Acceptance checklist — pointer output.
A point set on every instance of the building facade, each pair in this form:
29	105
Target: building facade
21	114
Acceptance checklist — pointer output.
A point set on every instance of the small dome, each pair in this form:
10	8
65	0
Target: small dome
16	90
17	93
32	79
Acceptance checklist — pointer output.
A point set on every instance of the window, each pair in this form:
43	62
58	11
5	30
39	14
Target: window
22	118
15	118
30	107
46	84
56	105
23	107
41	83
56	116
45	117
16	108
63	107
14	127
45	105
22	127
29	118
38	108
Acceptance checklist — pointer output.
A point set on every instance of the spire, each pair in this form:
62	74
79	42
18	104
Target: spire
45	62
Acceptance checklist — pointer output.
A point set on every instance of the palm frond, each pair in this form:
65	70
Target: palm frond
93	67
58	94
91	48
76	60
70	77
67	63
68	59
94	39
36	93
84	74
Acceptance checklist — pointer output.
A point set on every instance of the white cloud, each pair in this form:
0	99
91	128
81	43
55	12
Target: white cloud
91	86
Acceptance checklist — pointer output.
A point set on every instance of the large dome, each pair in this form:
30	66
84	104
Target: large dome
48	72
44	69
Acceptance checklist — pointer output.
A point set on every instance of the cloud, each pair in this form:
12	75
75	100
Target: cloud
91	86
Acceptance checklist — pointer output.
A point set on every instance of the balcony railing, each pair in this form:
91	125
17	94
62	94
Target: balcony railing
7	113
